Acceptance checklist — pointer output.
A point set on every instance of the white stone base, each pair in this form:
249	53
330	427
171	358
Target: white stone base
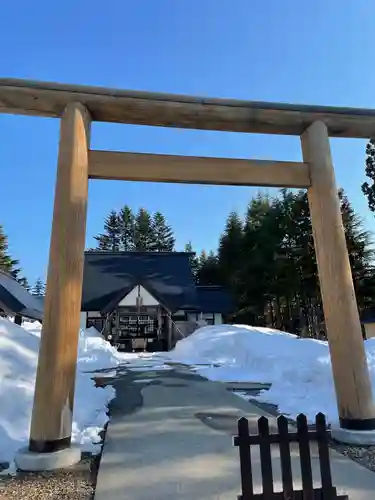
32	462
353	437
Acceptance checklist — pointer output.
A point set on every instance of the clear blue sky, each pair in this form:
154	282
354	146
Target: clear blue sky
294	51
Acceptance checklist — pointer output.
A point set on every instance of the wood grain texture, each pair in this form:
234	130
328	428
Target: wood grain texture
196	170
146	108
350	371
55	382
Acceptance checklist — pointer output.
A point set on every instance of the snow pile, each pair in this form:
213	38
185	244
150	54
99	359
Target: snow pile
298	369
95	353
19	348
33	327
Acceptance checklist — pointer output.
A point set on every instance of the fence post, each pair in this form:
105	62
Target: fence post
286	464
265	456
303	436
245	458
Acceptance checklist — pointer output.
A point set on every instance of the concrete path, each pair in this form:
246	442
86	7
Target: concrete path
170	437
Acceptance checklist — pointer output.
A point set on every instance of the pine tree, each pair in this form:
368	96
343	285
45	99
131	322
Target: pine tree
361	252
38	288
298	276
164	239
254	284
104	243
209	270
127	228
231	249
6	262
368	189
126	232
110	240
24	282
143	231
194	263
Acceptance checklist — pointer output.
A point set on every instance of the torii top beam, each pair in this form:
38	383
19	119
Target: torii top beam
168	110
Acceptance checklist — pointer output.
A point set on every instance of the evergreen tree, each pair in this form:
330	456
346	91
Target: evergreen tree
39	288
143	231
110	240
24	282
258	254
6	262
194	263
164	239
302	311
231	249
361	252
369	188
126	232
127	228
209	270
104	243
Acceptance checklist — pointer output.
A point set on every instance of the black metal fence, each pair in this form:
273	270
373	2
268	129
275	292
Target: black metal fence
303	436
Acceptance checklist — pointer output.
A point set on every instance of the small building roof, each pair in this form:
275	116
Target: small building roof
111	275
214	299
14	298
368	315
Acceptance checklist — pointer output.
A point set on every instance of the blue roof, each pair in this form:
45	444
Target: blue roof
368	316
109	276
14	298
214	299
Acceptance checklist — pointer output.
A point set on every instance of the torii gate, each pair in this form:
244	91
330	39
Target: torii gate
77	106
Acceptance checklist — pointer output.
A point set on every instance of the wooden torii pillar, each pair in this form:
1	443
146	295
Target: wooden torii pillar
55	382
349	364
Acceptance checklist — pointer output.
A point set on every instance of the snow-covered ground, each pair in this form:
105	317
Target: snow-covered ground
298	369
19	348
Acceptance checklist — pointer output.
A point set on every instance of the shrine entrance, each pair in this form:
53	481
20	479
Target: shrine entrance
77	107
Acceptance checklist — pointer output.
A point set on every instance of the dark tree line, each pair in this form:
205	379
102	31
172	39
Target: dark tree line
267	260
141	231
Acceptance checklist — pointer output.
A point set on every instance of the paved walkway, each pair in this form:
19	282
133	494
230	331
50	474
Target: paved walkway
170	437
